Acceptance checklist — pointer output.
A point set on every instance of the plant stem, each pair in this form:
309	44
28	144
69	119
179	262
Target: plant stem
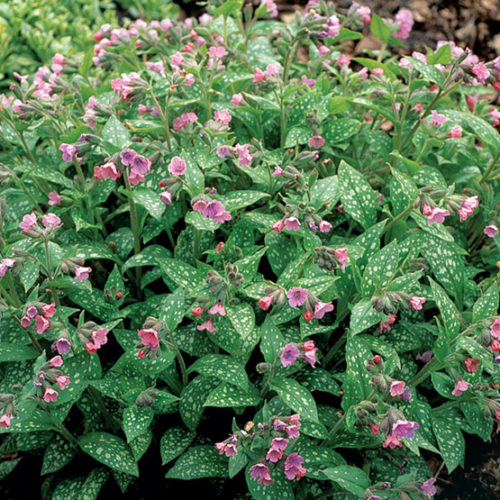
490	168
110	420
164	117
196	245
402	215
135	231
180	359
288	62
13	290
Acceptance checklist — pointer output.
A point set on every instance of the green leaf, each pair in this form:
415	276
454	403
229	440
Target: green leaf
404	191
174	442
221	367
242	319
110	450
236	464
451	443
440	56
199	462
357	383
240	199
324	191
380	269
429	72
150	200
183	274
136	421
363	316
16	352
340	130
227	395
349	478
296	397
271	341
480	422
229	8
57	454
485	307
93	484
140	444
296	136
448	310
280	489
358	197
115	133
173	309
29	274
193	397
201	223
381	30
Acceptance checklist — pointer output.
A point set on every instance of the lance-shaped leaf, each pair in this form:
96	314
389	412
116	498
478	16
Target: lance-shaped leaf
448	310
349	478
174	442
222	367
296	397
199	462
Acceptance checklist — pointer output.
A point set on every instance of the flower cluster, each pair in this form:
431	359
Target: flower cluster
48	378
306	351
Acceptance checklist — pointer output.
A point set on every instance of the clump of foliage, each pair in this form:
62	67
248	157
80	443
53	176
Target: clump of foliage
227	236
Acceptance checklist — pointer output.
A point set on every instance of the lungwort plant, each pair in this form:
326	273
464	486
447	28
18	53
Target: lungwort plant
232	249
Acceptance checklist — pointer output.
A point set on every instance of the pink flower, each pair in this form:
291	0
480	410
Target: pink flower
127	156
140	165
228	449
278	226
481	72
223	151
471	101
166	197
297	296
208	326
404	18
404	428
341	256
5	265
293	431
277	171
184	120
41	324
391	442
292	223
309	355
310	82
223	117
438	119
82	273
149	338
495	329
177	166
293	467
271	7
417	302
56	362
265	302
273	70
428	487
49	310
62	381
333	26
143	109
106	171
50	395
455	133
316	141
467	208
397	387
99	337
54	198
437	215
29	222
5	420
237	99
68	151
217	308
260	472
321	308
324	226
244	157
471	364
31	311
490	230
62	345
289	354
176	61
344	60
25	321
460	387
51	221
219	246
259	75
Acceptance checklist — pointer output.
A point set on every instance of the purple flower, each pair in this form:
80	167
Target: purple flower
428	487
177	166
141	164
490	231
260	472
68	151
297	296
293	467
127	156
404	428
62	345
407	394
289	354
397	388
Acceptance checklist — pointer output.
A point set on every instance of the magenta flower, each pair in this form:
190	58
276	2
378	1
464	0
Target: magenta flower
292	223
455	133
316	141
490	231
289	354
467	208
62	345
417	302
244	157
404	428
177	166
293	467
277	171
68	151
82	273
310	82
184	120
481	72
56	362
397	387
278	226
428	487
208	326
279	425
227	448
460	387
223	151
333	26
5	265
54	198
260	472
149	338
166	197
293	431
41	324
297	296
391	442
50	395
274	455
99	337
5	420
49	310
495	329
342	256
237	99
62	381
321	308
25	321
107	171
